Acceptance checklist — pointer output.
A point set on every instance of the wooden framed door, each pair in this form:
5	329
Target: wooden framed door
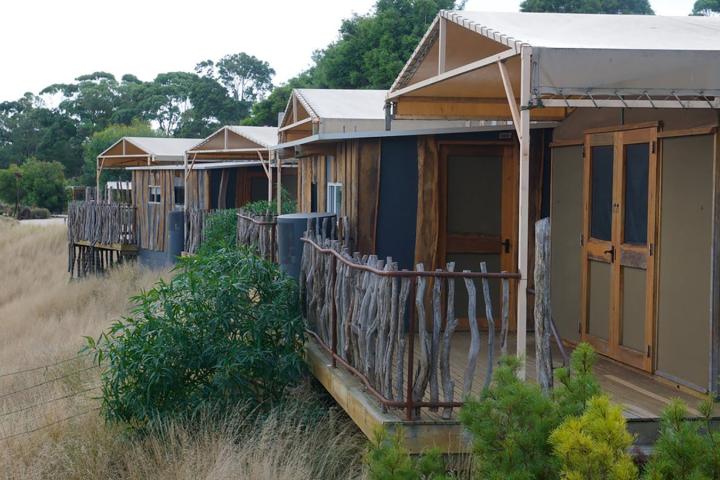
618	245
478	223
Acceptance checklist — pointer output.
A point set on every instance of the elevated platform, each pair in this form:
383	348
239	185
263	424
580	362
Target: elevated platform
642	396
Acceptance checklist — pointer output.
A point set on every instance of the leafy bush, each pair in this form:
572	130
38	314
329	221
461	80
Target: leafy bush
225	330
682	449
264	207
220	230
594	445
577	385
510	424
39	213
387	459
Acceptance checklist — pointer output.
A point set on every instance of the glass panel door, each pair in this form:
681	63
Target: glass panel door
618	247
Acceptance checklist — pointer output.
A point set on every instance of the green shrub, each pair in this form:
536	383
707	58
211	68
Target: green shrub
682	449
225	330
510	424
387	459
39	213
577	385
264	207
594	446
220	230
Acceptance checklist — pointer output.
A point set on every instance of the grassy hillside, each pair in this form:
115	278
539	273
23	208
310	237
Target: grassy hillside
50	426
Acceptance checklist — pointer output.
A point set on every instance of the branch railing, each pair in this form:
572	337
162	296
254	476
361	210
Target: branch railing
195	219
259	231
101	223
394	329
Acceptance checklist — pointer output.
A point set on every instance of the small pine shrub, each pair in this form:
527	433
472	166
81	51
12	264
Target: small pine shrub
226	330
510	424
387	459
594	446
577	385
682	450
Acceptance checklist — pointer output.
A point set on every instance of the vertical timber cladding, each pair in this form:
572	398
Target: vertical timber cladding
198	188
566	207
151	217
685	259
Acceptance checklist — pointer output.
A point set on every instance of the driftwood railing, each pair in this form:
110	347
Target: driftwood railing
259	231
393	329
98	236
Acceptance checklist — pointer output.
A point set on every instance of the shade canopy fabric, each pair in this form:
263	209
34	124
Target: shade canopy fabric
129	151
235	142
638	59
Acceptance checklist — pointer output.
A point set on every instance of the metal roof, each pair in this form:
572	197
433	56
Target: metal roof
203	166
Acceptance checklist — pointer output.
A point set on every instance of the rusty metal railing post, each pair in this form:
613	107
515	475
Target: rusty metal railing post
409	414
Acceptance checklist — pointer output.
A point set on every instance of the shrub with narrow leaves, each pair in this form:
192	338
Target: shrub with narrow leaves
683	450
510	424
594	446
225	330
387	459
577	385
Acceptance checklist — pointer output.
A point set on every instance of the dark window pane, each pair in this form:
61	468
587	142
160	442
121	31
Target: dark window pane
601	164
637	158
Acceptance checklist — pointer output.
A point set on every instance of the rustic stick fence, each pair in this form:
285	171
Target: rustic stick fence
259	231
99	235
195	219
394	328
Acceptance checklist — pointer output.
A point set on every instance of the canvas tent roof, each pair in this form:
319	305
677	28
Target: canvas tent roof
577	60
235	142
134	151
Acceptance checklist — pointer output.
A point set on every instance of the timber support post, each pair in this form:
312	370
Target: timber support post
543	312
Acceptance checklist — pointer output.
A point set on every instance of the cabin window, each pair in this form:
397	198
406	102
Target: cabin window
334	197
179	191
154	194
601	164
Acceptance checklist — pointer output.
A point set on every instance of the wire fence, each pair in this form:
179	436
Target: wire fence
42	367
77	393
48	425
62	377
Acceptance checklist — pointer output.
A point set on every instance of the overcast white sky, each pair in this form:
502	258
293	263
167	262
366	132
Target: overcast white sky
47	41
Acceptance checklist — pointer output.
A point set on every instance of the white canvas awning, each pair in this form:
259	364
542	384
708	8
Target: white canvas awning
577	60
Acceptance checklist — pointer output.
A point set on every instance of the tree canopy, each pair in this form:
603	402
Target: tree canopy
639	7
706	7
369	53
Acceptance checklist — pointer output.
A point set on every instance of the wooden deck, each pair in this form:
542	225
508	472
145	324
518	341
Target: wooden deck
642	396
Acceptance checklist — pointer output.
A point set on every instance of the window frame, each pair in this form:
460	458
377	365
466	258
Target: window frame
152	193
331	193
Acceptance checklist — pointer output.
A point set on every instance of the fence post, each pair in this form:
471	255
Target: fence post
333	311
543	313
409	415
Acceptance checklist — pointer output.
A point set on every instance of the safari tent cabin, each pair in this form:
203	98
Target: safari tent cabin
256	173
627	174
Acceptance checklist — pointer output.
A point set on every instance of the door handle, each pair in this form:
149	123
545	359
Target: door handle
612	253
506	245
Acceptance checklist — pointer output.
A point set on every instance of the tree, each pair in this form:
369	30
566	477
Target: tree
34	183
639	7
246	77
102	140
706	7
369	53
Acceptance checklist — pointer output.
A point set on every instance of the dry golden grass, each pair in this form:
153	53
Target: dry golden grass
43	317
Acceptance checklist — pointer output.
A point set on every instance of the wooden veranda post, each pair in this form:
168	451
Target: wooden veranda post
543	312
523	205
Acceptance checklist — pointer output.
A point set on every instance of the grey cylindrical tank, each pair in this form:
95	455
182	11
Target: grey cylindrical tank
290	229
175	234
